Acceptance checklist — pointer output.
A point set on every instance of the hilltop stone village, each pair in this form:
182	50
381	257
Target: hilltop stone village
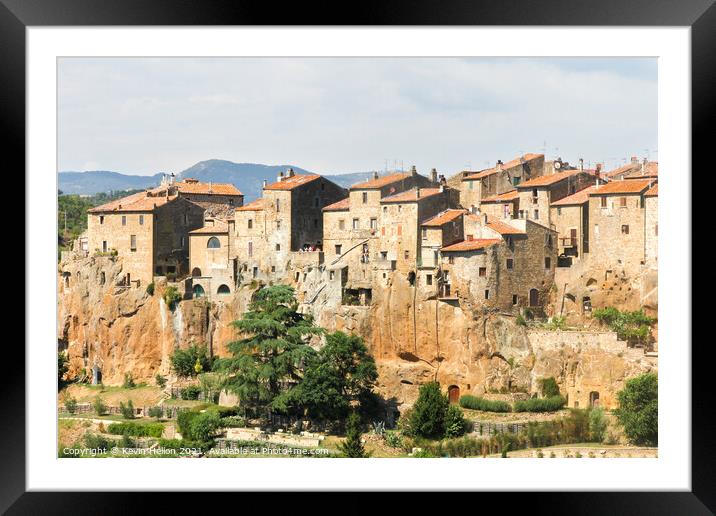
436	273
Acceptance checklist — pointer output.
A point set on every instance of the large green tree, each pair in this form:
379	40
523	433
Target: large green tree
638	410
427	418
268	359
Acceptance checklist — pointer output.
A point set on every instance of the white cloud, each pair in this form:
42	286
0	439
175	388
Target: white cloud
340	115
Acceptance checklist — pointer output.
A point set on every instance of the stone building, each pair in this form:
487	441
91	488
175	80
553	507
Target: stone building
505	264
617	221
218	199
570	217
148	231
503	177
283	225
536	195
501	206
635	169
651	231
437	232
213	266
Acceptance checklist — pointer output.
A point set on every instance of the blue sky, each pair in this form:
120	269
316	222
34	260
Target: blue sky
334	115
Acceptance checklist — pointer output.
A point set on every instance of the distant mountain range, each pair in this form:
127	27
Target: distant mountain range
247	177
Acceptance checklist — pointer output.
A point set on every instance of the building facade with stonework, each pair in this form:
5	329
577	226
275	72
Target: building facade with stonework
501	206
570	217
217	199
213	266
635	169
148	231
651	231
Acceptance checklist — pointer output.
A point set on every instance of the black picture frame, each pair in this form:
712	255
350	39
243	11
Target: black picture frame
16	15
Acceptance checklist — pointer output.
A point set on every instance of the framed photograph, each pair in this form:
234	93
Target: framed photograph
428	240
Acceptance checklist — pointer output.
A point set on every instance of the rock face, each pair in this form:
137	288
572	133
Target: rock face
413	338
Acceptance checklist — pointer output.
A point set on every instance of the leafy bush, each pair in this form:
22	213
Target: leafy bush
98	442
556	323
549	387
550	404
638	410
353	446
150	289
476	403
428	415
184	361
128	381
520	320
99	405
597	425
136	429
157	412
232	422
190	393
633	327
171	296
127	410
198	426
161	380
70	404
393	439
455	424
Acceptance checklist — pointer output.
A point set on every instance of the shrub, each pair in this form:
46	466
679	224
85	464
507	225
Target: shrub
136	429
634	327
98	442
203	426
551	404
126	442
232	422
171	296
521	321
150	289
353	446
127	410
99	405
428	415
455	424
161	380
184	361
190	393
393	439
549	387
128	381
157	412
597	425
70	404
638	410
476	403
556	323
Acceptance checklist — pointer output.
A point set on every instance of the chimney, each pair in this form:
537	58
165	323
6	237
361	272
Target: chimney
413	171
280	176
498	166
171	180
375	175
290	172
417	193
443	181
473	209
634	159
265	183
434	176
581	164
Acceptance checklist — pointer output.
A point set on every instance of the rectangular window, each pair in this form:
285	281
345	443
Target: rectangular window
510	263
622	202
278	205
425	233
514	299
251	249
487	294
548	262
429	279
385	209
384	255
273	268
250	223
171	269
406	253
339	247
255	272
315	202
603	202
365	197
373	223
536	214
278	247
482	272
341	224
559	211
101	219
596	230
331	275
124	220
104	246
356	223
625	229
141	220
451	259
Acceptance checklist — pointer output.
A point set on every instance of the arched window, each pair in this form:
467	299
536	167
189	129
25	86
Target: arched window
101	278
198	291
223	289
196	272
213	243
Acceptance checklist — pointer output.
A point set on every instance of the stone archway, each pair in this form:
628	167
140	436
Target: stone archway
534	297
198	291
454	394
594	399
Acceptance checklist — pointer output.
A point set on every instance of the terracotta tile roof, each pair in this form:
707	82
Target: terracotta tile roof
289	183
257	205
547	180
512	195
443	218
411	195
192	186
381	181
470	245
140	201
653	191
341	205
510	164
503	228
580	197
635	170
627	186
218	227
